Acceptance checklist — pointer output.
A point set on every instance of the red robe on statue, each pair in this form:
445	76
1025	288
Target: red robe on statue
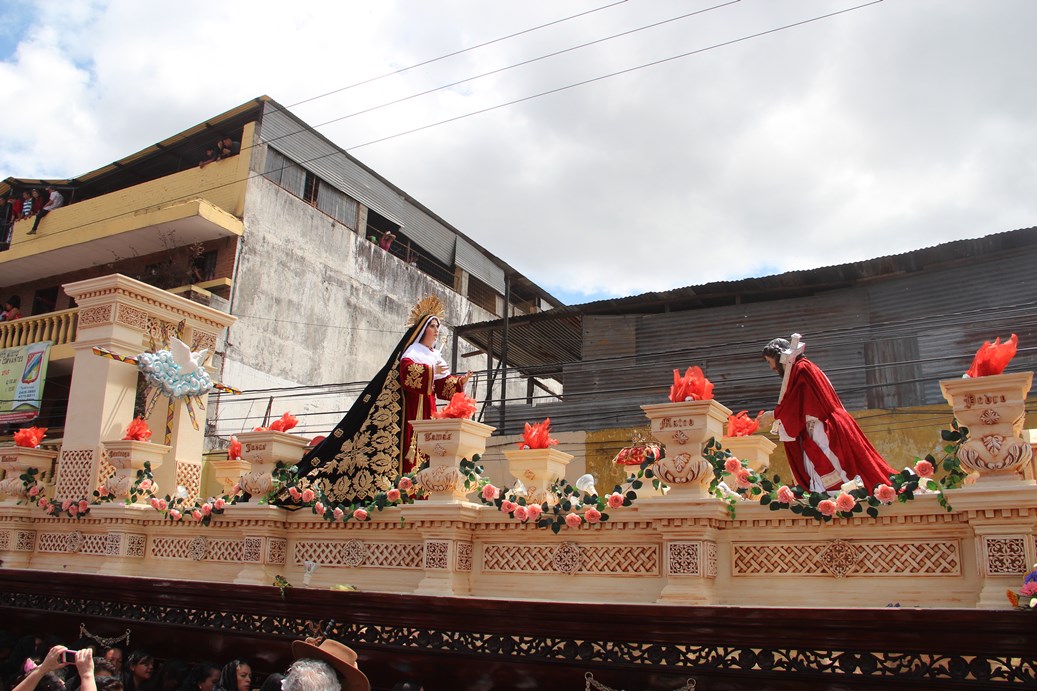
420	389
834	445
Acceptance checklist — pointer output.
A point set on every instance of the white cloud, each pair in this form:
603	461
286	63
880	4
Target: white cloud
882	130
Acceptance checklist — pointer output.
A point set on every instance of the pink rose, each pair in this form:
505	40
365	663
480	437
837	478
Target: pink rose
175	515
145	485
294	493
786	495
102	491
489	492
319	509
521	513
732	465
163	505
573	520
844	502
34	490
65	504
886	494
196	515
405	483
393	495
592	515
338	514
42	503
742	478
534	511
308	495
84	505
72	510
826	507
206	509
360	515
508	506
219	503
154	503
615	500
1028	589
924	469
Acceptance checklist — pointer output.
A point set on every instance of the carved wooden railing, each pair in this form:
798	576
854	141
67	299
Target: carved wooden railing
56	327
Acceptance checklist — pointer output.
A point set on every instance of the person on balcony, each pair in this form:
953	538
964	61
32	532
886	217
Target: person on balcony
227	147
370	447
824	445
53	202
12	309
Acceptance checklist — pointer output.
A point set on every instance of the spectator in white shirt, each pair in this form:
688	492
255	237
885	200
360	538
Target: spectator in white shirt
53	202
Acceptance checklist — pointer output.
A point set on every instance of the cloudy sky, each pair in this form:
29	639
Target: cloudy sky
891	127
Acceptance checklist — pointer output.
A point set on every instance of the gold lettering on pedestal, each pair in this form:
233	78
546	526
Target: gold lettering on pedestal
971	400
668	422
253	446
438	436
118	454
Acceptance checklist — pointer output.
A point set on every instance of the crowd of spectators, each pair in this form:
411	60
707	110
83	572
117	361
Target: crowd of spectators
33	663
26	204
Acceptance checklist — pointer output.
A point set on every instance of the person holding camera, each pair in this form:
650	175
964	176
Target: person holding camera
44	678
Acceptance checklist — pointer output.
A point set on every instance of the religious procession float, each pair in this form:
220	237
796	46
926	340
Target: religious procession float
701	567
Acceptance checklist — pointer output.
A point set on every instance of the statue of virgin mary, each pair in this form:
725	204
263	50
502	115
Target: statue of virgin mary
371	446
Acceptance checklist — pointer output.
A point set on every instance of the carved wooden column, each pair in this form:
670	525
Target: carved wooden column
689	549
449	550
123	315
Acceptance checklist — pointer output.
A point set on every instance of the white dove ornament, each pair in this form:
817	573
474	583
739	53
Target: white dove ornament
187	361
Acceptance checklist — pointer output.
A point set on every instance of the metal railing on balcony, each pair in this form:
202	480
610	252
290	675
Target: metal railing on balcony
56	327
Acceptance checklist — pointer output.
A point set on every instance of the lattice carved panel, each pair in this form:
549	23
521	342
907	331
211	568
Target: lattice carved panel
159	329
94	543
395	555
113	544
136	545
25	540
5	540
182	548
437	554
74	469
132	317
616	559
684	558
53	542
252	549
711	560
464	556
93	316
842	558
276	550
1005	555
189	476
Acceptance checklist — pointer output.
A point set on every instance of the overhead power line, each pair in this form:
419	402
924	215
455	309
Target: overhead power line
484	110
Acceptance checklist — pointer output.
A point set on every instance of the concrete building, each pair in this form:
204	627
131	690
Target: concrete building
276	234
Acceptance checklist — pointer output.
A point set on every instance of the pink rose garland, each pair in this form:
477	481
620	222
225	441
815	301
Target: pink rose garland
886	494
845	503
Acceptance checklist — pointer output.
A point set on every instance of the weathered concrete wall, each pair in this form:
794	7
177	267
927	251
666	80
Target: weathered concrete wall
317	305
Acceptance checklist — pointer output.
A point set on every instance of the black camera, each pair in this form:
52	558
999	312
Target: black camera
69	657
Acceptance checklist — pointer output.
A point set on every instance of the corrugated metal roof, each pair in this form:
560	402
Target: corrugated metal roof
557	334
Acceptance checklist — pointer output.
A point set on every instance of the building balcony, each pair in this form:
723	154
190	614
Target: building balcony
57	327
192	206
